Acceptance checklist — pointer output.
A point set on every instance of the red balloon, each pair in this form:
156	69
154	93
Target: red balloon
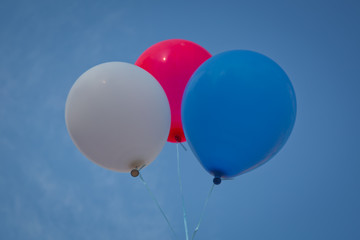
172	62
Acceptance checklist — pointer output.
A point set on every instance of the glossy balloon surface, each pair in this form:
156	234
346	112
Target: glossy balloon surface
118	116
238	111
172	62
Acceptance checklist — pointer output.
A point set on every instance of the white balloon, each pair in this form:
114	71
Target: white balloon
118	116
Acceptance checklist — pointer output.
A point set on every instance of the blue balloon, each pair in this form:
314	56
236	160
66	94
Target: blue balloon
238	110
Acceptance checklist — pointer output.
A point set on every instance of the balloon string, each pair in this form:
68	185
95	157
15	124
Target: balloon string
158	205
181	193
182	146
202	213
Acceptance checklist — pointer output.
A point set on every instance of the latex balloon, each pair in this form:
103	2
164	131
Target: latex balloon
172	62
118	116
238	111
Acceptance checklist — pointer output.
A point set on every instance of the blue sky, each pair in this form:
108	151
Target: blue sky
309	190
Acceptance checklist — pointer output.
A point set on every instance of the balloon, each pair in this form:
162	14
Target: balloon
118	116
172	62
238	111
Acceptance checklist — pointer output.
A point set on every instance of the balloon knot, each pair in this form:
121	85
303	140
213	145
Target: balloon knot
217	180
177	138
134	172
